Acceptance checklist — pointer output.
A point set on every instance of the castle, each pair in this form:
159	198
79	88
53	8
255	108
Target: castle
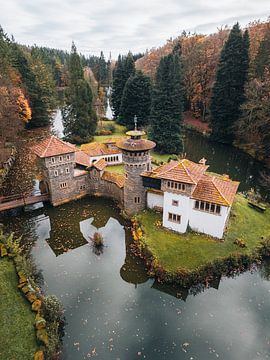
187	195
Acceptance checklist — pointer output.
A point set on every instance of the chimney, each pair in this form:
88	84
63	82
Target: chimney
202	161
226	177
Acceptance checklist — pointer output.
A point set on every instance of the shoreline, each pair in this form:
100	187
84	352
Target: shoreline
229	261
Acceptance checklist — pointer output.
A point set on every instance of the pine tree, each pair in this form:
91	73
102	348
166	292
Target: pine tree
39	85
228	90
136	100
102	70
262	60
125	68
167	104
117	86
79	118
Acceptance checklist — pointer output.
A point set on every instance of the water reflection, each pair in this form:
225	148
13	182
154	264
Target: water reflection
114	311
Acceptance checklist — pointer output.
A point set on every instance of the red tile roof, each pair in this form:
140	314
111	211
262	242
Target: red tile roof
53	146
100	164
211	188
117	179
82	158
185	171
216	189
98	149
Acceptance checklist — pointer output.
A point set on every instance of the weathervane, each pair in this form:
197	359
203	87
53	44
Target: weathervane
135	122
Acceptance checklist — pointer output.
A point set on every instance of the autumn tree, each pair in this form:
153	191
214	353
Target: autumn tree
167	104
79	117
228	91
262	59
136	100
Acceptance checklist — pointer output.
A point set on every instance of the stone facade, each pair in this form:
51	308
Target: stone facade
135	163
66	182
68	174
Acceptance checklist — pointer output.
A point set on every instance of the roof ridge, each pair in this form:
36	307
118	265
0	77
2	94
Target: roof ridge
49	143
186	170
213	182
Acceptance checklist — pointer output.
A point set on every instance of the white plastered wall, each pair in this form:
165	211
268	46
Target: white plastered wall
182	209
208	223
154	200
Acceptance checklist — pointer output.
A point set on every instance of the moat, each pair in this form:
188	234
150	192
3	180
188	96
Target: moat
114	311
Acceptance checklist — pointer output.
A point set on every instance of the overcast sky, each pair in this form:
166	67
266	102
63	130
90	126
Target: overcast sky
120	25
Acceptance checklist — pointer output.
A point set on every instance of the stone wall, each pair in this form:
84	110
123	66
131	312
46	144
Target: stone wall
134	191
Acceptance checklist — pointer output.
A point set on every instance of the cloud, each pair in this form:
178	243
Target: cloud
120	25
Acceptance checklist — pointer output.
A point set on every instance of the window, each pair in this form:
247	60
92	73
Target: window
176	186
63	185
174	218
174	203
60	158
68	157
55	173
137	200
202	205
52	160
67	170
207	207
82	187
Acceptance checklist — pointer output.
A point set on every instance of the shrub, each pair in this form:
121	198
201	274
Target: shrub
240	242
97	240
53	309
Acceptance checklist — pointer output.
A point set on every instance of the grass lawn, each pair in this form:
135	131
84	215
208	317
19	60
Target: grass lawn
118	169
17	335
120	130
190	251
160	157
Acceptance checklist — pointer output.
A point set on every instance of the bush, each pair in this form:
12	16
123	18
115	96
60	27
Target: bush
53	309
97	240
240	242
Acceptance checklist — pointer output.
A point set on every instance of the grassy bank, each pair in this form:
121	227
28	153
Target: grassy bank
17	333
191	252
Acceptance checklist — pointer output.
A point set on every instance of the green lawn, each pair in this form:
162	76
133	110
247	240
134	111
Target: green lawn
119	131
118	169
190	251
160	157
17	335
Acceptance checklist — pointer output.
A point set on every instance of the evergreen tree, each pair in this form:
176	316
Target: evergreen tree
228	90
118	86
79	118
136	100
167	104
262	60
39	84
129	66
125	68
102	70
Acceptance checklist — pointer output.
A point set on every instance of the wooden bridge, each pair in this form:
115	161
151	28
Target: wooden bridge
21	200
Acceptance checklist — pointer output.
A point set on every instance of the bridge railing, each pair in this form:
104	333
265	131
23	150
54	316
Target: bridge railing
23	196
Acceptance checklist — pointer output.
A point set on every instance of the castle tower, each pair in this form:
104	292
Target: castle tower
136	159
57	161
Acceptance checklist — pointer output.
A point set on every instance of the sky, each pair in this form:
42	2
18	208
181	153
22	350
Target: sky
120	25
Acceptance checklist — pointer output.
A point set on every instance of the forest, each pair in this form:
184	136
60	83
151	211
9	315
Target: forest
193	74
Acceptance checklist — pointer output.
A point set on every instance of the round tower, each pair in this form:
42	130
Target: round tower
136	160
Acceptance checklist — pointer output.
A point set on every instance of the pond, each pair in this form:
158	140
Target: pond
115	312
